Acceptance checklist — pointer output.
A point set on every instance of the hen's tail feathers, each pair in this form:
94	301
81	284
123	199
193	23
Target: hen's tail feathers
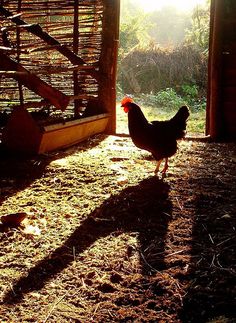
179	121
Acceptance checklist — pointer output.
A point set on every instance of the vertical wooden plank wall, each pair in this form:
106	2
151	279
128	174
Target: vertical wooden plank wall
108	60
221	107
214	121
229	70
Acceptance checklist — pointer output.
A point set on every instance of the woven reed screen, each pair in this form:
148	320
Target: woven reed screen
74	24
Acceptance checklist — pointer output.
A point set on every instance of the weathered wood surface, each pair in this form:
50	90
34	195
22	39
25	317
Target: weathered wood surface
108	60
34	83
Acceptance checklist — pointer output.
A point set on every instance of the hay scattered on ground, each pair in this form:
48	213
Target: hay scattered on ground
114	243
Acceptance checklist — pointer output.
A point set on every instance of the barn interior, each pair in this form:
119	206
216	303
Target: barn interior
58	69
87	233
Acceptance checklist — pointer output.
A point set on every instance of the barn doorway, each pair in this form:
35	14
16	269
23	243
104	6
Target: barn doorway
163	59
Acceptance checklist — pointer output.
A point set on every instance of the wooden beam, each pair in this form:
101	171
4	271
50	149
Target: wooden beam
34	83
108	60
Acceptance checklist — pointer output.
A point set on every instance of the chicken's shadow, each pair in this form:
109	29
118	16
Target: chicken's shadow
144	209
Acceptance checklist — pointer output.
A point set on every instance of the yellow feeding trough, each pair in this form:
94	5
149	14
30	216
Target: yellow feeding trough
23	133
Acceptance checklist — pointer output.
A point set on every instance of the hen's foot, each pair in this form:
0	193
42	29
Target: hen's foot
165	167
157	167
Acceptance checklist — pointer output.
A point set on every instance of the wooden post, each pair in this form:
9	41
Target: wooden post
214	120
21	94
108	60
75	50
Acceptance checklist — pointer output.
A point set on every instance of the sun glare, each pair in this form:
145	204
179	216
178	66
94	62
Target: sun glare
182	5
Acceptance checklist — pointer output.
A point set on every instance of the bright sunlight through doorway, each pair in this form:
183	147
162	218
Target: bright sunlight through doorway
163	58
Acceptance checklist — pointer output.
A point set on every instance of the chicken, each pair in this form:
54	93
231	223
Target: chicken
157	137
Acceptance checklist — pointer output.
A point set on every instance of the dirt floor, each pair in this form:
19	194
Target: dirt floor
104	240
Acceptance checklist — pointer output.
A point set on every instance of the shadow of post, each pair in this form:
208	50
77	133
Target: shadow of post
211	275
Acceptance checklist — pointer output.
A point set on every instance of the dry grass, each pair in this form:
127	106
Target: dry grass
152	70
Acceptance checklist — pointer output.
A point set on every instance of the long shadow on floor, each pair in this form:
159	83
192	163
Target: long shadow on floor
144	209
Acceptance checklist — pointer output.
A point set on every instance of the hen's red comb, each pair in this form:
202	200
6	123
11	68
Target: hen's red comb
126	99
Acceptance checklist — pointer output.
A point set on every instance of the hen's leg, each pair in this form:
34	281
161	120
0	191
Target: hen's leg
158	166
165	167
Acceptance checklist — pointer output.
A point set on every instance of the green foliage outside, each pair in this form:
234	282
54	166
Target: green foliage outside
163	60
198	34
133	33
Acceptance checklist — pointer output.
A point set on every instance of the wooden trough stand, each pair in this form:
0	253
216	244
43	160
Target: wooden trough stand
24	134
61	66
